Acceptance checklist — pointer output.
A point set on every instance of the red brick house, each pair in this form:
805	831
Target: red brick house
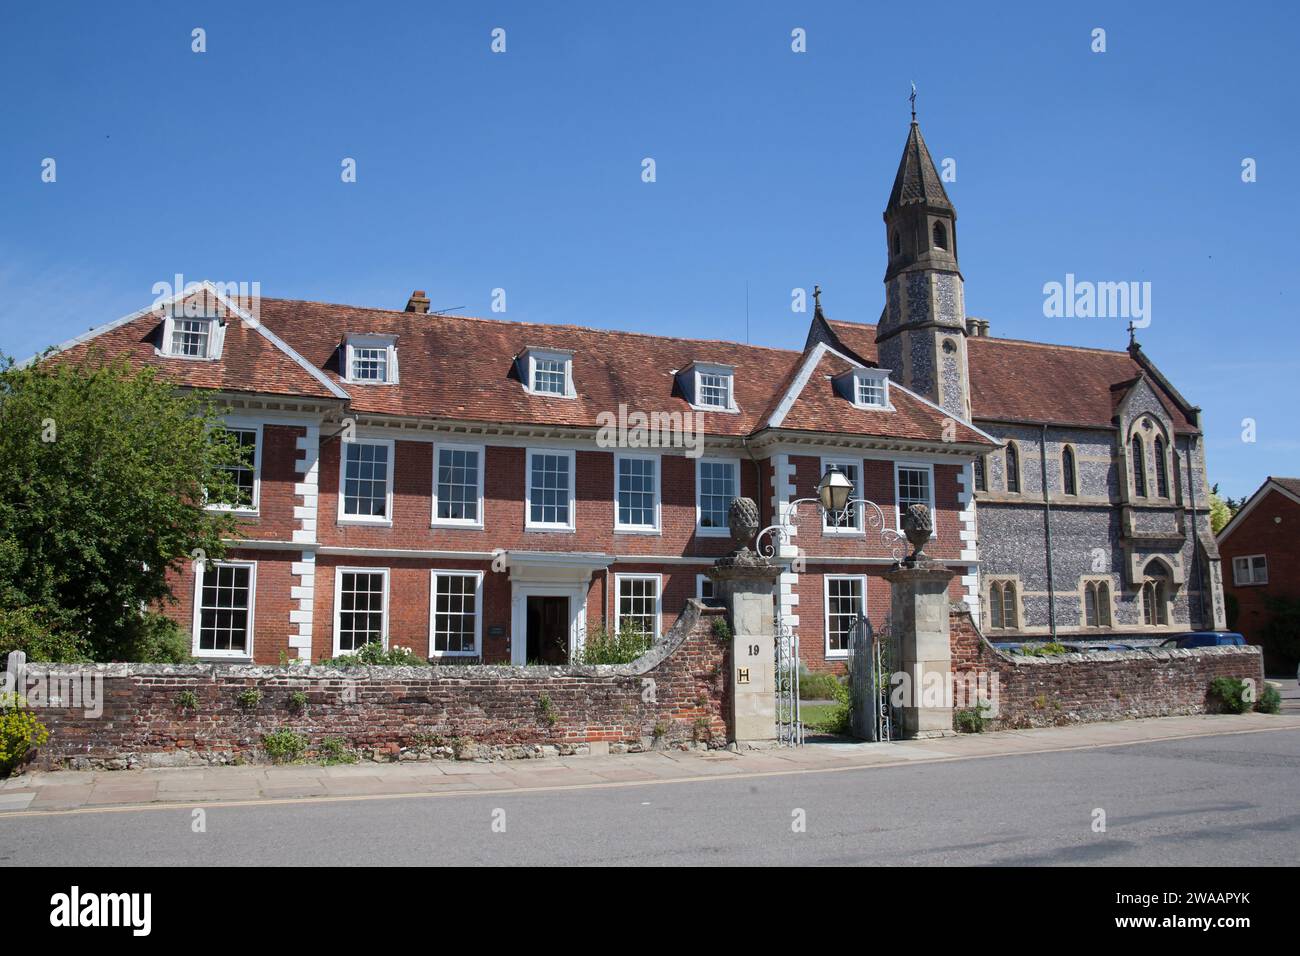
443	483
1260	548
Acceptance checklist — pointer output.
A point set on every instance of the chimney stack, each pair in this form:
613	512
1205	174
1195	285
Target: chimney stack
977	327
418	302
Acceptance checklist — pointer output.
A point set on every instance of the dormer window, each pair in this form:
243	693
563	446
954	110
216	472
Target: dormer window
548	372
192	337
865	387
371	359
709	386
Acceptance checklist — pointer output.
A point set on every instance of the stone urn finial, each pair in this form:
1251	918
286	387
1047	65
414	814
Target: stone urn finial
917	528
742	520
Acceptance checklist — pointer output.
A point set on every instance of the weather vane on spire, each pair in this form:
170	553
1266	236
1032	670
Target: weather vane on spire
1132	334
912	98
817	300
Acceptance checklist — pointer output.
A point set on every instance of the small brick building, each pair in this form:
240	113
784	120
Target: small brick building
1260	548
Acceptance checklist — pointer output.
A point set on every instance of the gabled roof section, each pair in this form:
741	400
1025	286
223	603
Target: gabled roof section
1017	381
917	180
1287	487
810	400
254	359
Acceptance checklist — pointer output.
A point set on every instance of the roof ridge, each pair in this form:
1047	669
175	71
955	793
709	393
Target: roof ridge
539	325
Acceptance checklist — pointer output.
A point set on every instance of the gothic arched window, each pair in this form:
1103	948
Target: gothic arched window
940	236
1069	484
1013	468
1096	604
898	244
1002	604
1162	476
981	483
1139	468
1154	611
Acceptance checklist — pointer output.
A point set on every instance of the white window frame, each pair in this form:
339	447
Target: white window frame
555	355
478	612
726	372
253	509
701	531
200	570
216	337
898	505
830	654
700	581
338	604
1250	570
387	518
862	376
658	579
388	343
529	523
856	527
438	449
654	528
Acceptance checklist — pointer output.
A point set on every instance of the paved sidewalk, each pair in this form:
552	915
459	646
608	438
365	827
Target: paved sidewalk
72	791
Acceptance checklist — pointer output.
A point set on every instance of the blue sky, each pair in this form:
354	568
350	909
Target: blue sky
522	170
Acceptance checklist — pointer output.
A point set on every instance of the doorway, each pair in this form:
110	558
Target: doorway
548	629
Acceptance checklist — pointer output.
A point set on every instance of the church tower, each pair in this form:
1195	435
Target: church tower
921	337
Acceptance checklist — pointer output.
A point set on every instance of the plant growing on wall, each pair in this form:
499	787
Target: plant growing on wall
249	698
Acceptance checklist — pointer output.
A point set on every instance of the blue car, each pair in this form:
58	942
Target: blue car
1206	639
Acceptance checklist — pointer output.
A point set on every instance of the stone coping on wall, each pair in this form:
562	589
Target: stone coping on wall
647	662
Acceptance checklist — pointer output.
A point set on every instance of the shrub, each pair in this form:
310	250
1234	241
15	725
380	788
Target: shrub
249	698
298	701
156	639
20	732
284	746
970	721
721	629
333	750
1044	649
1270	701
187	700
1231	694
622	647
374	654
28	630
818	686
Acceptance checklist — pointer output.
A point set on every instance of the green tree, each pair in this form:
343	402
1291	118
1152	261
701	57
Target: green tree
1221	510
103	471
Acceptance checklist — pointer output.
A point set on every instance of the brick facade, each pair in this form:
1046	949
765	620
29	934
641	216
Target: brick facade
1270	528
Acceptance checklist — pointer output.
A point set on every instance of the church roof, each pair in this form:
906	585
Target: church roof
1018	381
917	179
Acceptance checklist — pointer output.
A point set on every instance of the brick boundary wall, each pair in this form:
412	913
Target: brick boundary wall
400	713
1101	685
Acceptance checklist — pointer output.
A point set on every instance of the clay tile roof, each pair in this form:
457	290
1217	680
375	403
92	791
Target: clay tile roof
911	418
917	180
250	361
1013	380
1290	484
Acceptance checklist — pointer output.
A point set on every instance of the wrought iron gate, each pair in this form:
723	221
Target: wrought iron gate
789	728
872	654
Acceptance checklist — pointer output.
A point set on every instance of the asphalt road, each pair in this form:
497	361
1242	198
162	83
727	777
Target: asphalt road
1199	801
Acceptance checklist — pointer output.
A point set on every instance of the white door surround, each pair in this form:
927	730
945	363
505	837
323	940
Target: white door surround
550	574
